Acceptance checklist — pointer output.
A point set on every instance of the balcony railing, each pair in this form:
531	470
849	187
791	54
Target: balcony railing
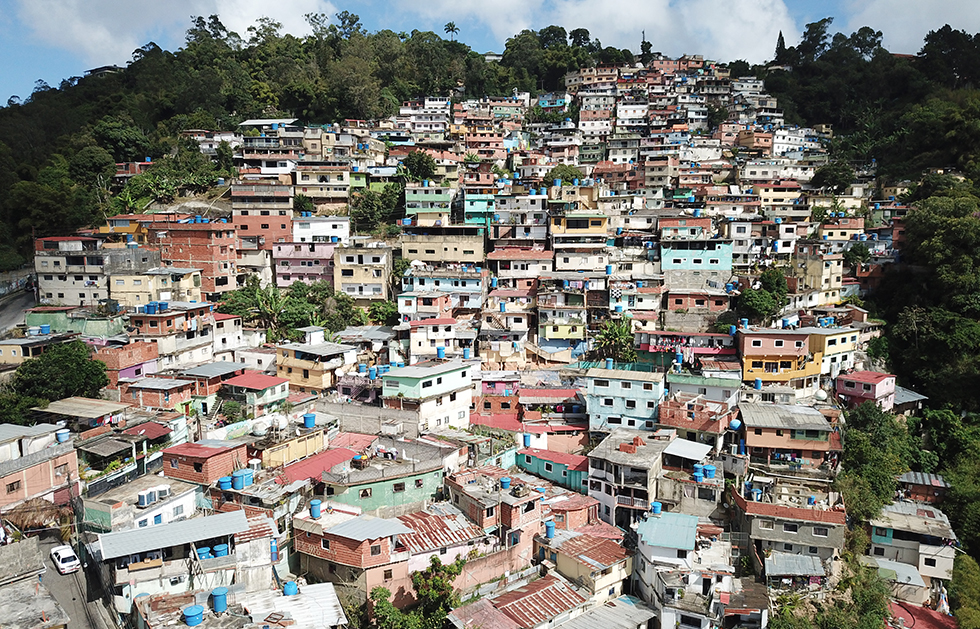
629	501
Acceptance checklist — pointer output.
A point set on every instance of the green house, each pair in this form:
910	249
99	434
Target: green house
567	470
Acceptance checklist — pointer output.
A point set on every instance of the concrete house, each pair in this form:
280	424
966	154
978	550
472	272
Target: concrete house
790	436
567	470
258	393
621	398
34	464
859	387
598	565
439	391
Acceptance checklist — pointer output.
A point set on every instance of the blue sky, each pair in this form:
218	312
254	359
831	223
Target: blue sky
55	39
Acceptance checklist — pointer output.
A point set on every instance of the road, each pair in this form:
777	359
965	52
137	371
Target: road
71	591
12	309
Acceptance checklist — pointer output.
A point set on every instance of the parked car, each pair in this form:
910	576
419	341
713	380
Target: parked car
65	560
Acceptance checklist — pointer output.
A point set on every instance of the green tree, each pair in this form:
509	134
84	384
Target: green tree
419	165
836	176
383	313
615	340
566	173
434	592
856	255
757	304
303	203
964	592
452	30
62	371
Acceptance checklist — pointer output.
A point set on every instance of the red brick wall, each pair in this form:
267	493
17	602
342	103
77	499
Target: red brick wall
212	468
690	302
205	246
571	520
344	550
280	228
137	353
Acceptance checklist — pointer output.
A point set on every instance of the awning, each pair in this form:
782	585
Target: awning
691	450
790	565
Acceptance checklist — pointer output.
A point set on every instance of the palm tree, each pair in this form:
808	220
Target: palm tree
615	340
452	29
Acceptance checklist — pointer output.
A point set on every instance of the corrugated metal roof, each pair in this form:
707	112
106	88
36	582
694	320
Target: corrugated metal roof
482	615
624	612
783	416
539	601
921	478
315	607
212	370
314	466
140	540
368	527
150	430
83	407
258	527
438	527
905	396
596	553
691	450
791	565
9	432
894	571
160	384
670	530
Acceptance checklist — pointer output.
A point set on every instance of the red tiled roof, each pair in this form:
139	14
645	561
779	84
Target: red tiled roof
590	551
220	316
520	254
421	322
255	380
353	440
575	462
571	501
314	466
920	617
437	531
790	513
483	615
538	601
870	377
150	430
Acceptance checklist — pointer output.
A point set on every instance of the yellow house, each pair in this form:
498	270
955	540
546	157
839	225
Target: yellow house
841	228
837	347
579	224
293	448
158	284
597	564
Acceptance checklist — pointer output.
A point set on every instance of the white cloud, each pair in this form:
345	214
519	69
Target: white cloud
718	29
108	31
904	23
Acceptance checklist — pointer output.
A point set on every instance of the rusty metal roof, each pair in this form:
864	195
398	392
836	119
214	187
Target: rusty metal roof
439	526
539	601
595	553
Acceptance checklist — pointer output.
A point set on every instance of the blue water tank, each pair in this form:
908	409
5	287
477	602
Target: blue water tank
731	330
224	482
756	495
219	600
466	353
503	307
549	529
556	183
361	368
709	471
505	482
248	477
609	269
527	440
698	468
758	384
334	239
440	352
698	477
811	500
221	550
657	508
290	589
373	373
309	420
609	363
45	328
697	212
493	282
315	509
619	308
238	479
735	424
194	615
204	552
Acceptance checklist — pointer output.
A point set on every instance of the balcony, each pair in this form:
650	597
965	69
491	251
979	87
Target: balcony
635	503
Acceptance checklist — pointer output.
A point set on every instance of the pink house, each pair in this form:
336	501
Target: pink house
867	386
304	262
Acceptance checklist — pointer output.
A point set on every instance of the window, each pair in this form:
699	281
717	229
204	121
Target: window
879	551
199	467
880	532
602	383
778	343
630	403
178	511
61	470
607	401
365	493
757	431
681	553
625	385
426	384
766	525
398	487
143	523
820	531
325	544
419	483
647	386
929	561
812	550
12	487
548	467
173	464
756	343
791	528
788	548
375	550
490	511
387	575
